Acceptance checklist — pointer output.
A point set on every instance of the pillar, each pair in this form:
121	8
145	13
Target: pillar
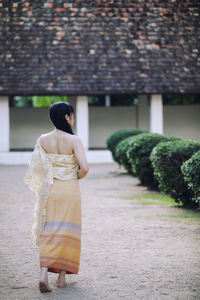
156	113
72	101
107	100
82	120
5	124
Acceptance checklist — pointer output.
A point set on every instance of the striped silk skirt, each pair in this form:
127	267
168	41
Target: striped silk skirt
60	238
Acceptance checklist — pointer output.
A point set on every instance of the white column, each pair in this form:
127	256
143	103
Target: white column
82	120
107	100
5	124
143	112
72	101
156	114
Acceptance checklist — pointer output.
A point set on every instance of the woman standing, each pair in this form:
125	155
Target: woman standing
57	164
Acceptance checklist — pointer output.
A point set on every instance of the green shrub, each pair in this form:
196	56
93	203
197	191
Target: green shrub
118	136
138	152
191	172
120	154
167	159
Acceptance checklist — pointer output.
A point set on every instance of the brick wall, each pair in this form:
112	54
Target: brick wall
99	47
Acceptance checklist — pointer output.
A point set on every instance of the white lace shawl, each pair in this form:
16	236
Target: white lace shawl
39	177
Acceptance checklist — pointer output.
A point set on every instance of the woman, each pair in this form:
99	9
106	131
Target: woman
58	162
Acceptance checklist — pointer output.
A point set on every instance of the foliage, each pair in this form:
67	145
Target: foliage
93	100
41	101
118	136
120	154
178	99
167	159
191	171
123	99
138	152
23	101
46	101
115	100
37	101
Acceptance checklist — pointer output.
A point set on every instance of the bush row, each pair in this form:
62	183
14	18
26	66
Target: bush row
167	163
118	136
167	160
191	172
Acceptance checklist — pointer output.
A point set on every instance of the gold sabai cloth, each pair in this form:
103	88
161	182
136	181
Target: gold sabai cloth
42	169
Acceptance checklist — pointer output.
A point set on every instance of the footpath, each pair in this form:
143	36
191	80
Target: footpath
131	248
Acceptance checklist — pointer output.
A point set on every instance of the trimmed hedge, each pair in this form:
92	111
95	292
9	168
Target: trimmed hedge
138	152
191	172
120	154
118	136
167	159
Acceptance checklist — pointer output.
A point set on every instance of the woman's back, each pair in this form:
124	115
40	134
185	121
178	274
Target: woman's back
58	142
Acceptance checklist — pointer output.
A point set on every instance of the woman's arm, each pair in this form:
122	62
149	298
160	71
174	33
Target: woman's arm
79	152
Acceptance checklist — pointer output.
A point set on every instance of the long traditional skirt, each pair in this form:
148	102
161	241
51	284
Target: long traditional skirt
60	238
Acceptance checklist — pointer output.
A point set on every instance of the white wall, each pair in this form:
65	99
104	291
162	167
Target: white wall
103	121
27	124
182	121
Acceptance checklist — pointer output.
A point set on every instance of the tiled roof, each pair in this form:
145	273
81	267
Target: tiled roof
99	47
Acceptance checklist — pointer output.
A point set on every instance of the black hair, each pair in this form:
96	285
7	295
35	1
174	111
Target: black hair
57	113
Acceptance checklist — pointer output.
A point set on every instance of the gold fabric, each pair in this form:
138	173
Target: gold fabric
60	238
42	169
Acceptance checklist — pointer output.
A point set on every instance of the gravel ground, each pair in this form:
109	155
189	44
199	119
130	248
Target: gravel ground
129	250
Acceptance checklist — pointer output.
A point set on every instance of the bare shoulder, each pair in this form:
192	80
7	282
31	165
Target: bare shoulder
45	136
77	140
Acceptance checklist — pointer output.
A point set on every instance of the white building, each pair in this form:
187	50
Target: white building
20	126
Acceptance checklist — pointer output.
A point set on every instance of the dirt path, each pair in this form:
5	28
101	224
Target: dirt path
129	250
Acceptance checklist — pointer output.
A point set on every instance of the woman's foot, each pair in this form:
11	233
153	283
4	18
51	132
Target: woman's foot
61	279
43	283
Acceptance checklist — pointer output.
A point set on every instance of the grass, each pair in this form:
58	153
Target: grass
152	202
188	215
154	199
159	199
